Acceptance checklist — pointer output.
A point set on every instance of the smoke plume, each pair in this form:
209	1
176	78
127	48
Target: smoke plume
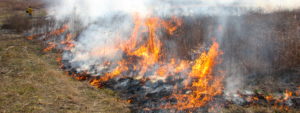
104	24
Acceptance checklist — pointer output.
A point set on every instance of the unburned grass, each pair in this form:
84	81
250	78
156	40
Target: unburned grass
32	82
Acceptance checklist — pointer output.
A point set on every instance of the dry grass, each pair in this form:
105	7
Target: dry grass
18	23
32	82
14	17
21	4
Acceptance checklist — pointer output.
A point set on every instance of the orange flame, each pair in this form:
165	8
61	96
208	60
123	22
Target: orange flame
269	98
172	25
68	42
59	31
205	86
117	71
51	45
287	94
131	43
149	52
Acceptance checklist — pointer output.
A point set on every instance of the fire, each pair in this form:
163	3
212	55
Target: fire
287	94
68	42
58	60
149	52
269	98
143	53
277	102
204	86
169	69
115	72
80	77
51	45
131	43
183	65
59	31
203	65
172	25
151	49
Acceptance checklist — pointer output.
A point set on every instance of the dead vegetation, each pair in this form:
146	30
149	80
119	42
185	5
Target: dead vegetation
17	23
14	17
20	5
31	80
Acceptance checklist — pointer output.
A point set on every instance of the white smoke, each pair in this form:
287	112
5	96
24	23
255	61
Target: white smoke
91	10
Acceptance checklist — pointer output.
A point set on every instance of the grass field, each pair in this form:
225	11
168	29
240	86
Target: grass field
31	80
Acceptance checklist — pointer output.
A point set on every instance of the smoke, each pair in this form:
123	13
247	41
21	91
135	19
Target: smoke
91	10
107	23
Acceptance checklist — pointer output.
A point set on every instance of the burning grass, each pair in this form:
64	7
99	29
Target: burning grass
152	81
146	53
